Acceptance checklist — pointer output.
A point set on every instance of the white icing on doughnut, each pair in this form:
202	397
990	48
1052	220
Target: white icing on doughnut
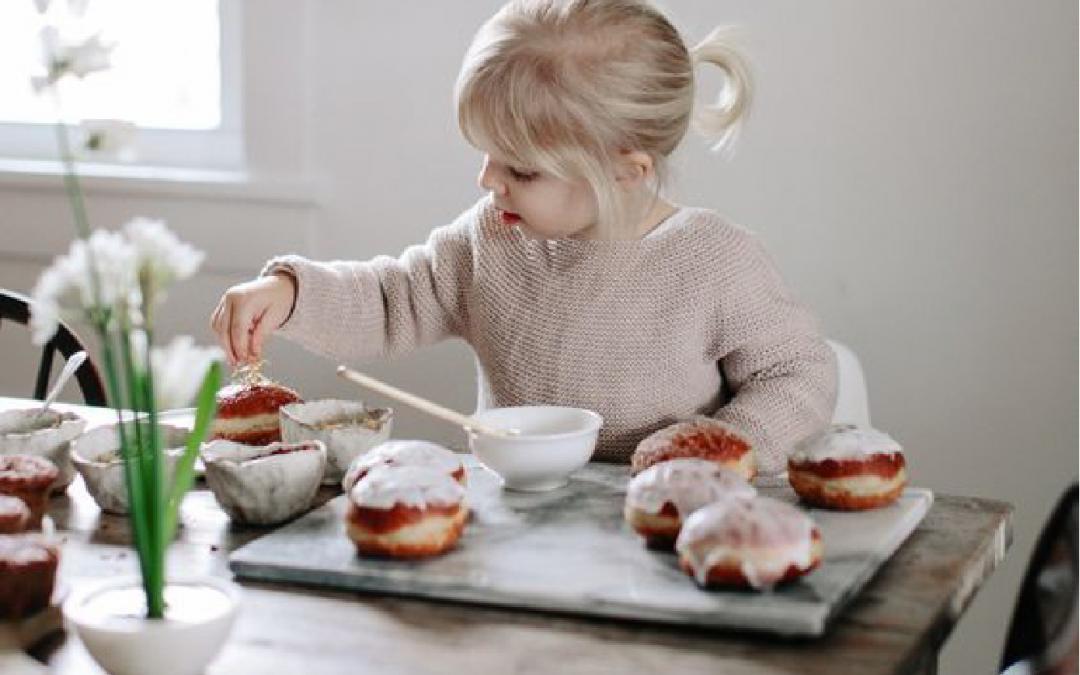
402	453
845	441
387	485
688	483
765	535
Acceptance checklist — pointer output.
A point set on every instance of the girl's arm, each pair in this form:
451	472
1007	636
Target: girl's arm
776	364
386	306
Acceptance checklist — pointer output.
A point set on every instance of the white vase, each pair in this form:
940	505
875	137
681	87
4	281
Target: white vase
110	618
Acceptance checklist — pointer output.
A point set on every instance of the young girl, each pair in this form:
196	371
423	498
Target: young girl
573	280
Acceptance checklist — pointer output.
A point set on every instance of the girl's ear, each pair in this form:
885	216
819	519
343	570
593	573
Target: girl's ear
635	167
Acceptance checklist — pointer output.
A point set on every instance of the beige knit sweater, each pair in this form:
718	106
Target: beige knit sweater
692	319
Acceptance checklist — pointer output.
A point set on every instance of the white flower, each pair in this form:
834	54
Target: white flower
115	260
76	7
109	138
179	369
44	319
160	252
66	284
62	57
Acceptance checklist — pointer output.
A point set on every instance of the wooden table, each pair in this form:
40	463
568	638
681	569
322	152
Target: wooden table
896	625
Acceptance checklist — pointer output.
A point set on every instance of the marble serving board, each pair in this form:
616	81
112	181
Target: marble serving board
569	550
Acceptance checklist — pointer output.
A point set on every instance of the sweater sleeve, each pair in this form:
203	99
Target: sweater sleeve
383	307
779	370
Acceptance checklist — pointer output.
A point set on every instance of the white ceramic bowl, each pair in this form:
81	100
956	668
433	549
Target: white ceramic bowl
347	429
22	432
108	618
555	441
96	454
258	484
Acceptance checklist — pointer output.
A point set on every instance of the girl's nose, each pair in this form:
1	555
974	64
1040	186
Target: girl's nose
488	180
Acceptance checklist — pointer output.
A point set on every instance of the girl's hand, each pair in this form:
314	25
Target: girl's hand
248	312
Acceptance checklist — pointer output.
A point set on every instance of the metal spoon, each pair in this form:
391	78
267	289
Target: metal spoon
73	363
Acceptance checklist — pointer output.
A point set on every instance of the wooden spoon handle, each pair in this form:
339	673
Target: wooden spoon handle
422	404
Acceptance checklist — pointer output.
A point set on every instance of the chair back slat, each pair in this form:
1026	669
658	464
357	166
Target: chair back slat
16	307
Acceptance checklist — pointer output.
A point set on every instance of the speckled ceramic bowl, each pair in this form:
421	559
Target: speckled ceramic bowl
96	455
267	484
347	428
24	432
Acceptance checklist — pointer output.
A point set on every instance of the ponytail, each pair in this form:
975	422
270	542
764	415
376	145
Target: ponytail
720	121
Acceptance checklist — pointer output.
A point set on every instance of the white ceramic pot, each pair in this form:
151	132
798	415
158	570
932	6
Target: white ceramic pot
267	484
23	432
110	620
555	441
96	455
348	429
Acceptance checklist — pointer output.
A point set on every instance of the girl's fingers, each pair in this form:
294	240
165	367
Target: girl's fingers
228	329
239	321
240	332
215	320
258	335
220	325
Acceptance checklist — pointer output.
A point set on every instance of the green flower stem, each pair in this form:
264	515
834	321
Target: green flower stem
139	509
184	474
156	483
153	506
71	181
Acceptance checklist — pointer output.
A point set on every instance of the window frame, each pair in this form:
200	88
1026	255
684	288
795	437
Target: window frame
219	148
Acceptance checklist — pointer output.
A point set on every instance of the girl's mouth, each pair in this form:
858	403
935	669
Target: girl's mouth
510	218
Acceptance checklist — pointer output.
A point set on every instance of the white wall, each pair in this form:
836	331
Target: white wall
913	167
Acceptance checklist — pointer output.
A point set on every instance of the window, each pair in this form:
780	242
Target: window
174	73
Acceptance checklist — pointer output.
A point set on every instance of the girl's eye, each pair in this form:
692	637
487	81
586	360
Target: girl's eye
520	175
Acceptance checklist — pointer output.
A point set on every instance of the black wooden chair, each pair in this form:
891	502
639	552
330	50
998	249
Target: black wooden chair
1042	636
16	307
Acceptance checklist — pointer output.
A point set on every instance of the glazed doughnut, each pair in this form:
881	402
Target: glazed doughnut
661	497
701	437
14	515
405	453
406	512
848	468
755	543
248	412
28	565
28	477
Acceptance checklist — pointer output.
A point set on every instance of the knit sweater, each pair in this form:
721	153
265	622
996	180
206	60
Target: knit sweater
692	319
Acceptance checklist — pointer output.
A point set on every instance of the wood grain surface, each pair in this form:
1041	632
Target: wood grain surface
896	625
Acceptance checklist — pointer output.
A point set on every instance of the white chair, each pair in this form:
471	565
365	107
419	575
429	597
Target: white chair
852	402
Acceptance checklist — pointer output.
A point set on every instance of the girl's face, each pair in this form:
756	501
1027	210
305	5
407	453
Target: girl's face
544	206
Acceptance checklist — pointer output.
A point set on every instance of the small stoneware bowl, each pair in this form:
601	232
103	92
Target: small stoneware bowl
96	454
554	442
24	432
264	484
347	429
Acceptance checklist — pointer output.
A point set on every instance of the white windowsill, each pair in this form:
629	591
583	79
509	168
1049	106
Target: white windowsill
216	184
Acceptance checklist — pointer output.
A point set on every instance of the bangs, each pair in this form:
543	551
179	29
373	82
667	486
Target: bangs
515	109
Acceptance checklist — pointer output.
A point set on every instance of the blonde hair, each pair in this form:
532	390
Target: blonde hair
563	86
